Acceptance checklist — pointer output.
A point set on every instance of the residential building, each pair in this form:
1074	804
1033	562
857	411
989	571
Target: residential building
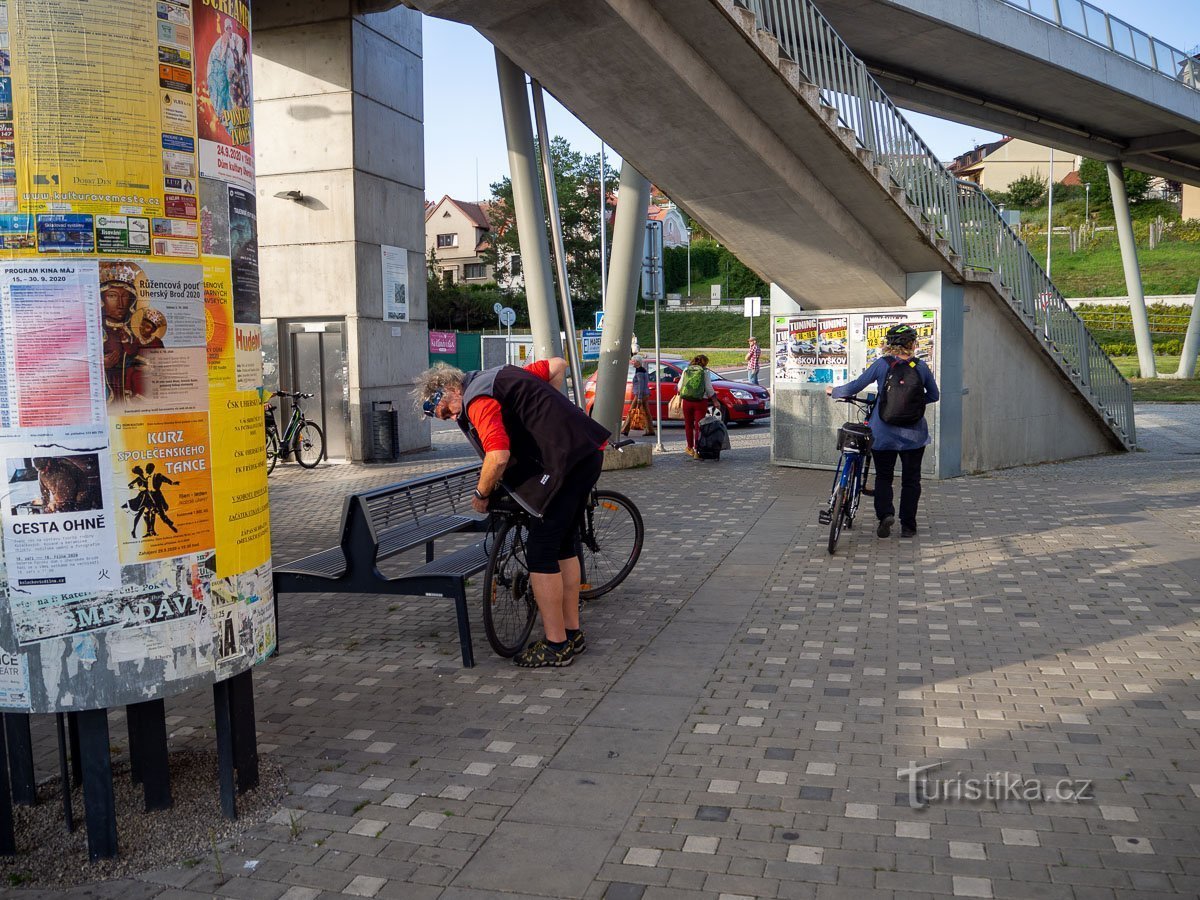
1191	201
674	225
458	232
997	165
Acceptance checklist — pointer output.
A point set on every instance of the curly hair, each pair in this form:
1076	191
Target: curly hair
437	377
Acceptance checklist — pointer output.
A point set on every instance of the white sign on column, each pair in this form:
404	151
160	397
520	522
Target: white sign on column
395	283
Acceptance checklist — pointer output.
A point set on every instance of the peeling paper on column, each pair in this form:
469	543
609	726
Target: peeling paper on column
136	525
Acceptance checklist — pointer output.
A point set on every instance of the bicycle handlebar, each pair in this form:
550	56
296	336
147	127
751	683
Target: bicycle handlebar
297	395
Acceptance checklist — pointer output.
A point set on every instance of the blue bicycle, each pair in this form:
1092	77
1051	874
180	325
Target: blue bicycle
850	479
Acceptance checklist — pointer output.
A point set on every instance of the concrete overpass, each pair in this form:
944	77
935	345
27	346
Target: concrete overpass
988	63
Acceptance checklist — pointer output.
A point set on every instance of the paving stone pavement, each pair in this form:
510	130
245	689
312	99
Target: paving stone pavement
737	726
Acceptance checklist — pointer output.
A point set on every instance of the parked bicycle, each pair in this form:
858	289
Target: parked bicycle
302	438
850	479
612	535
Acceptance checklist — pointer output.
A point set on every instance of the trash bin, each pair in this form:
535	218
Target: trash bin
385	431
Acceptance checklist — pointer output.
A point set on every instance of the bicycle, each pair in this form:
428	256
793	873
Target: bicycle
612	532
850	478
301	437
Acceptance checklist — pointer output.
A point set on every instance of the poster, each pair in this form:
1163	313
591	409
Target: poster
240	502
875	328
14	679
395	284
443	342
59	533
795	349
50	373
243	252
248	358
162	470
221	34
832	349
154	335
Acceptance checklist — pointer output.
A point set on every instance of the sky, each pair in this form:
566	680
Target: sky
464	135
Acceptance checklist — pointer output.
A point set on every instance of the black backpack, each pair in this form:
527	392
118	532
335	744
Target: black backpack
903	400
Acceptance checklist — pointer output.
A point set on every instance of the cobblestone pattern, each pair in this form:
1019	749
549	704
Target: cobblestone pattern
737	726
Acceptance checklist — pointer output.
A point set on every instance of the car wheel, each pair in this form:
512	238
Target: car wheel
724	413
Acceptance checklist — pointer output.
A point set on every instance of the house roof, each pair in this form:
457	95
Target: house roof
960	164
476	212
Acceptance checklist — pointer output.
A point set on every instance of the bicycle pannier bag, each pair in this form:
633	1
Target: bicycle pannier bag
675	407
903	400
691	385
854	436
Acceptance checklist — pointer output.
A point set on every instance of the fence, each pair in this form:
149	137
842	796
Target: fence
959	211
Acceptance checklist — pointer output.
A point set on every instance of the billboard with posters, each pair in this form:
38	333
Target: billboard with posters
136	547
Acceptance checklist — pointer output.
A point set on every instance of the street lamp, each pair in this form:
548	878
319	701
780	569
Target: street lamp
689	257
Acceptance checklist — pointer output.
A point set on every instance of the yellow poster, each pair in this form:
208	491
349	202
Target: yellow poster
161	466
218	320
240	501
100	113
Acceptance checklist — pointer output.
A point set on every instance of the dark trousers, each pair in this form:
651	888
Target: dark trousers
910	484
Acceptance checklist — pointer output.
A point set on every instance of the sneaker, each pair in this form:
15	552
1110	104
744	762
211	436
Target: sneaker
577	643
885	526
908	530
539	654
692	453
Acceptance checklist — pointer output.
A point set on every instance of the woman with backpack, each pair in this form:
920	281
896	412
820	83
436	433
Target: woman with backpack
904	386
696	391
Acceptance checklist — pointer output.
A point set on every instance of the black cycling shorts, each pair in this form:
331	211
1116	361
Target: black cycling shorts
555	535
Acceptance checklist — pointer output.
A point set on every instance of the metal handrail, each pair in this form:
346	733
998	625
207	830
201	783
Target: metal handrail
1094	24
959	212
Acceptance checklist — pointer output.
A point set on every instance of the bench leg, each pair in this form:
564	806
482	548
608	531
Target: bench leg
464	626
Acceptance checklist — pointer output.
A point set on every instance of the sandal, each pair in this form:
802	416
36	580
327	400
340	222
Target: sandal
540	654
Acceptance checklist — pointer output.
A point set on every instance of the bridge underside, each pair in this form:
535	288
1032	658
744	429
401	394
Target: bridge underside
991	65
686	97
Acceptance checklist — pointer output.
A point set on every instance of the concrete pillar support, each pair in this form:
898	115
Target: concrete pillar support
935	289
621	300
1133	275
1191	341
527	203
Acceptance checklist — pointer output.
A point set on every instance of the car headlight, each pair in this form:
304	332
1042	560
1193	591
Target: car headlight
742	395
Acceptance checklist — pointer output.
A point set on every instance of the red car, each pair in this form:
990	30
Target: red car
740	401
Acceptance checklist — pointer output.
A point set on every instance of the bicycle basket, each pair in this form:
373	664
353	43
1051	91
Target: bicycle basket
854	436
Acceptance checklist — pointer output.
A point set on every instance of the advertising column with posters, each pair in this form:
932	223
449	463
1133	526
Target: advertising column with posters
136	529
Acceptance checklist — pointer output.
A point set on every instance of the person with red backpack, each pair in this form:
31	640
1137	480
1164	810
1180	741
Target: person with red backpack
904	386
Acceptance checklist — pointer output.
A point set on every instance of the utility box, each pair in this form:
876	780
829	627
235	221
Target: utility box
385	431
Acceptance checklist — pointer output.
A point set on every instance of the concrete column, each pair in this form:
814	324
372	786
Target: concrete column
621	301
527	203
1133	275
340	102
946	417
1191	341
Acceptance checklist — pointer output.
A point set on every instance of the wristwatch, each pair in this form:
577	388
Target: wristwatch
479	496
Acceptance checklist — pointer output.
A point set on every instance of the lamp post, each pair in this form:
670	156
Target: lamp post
1050	214
689	257
1087	197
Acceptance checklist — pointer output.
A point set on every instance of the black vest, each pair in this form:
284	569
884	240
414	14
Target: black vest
547	433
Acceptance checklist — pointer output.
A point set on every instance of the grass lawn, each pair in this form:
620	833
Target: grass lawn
1167	269
1161	390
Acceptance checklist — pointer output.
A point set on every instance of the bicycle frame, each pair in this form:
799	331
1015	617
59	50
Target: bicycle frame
294	422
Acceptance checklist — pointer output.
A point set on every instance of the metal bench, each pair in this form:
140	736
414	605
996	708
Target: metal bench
386	521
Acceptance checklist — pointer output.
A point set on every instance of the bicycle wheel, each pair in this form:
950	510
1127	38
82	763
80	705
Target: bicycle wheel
272	451
309	445
612	543
508	606
835	522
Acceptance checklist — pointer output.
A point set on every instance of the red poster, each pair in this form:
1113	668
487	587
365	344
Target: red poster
223	91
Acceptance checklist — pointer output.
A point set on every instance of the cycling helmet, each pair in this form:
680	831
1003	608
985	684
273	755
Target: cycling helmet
901	335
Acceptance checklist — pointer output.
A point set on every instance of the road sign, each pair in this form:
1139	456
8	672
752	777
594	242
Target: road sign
497	307
507	316
599	320
652	262
753	307
591	344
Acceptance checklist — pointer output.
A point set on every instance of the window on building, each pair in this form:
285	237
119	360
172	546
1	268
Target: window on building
447	277
475	270
447	240
514	264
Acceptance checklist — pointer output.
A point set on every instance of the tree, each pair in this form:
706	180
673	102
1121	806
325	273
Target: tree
1026	191
1095	173
577	179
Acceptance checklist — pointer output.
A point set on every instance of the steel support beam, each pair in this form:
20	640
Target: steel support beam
527	204
1191	341
620	303
1133	274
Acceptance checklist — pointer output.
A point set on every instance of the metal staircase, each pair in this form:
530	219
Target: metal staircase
957	215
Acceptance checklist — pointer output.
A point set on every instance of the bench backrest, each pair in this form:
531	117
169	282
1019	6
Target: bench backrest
367	515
